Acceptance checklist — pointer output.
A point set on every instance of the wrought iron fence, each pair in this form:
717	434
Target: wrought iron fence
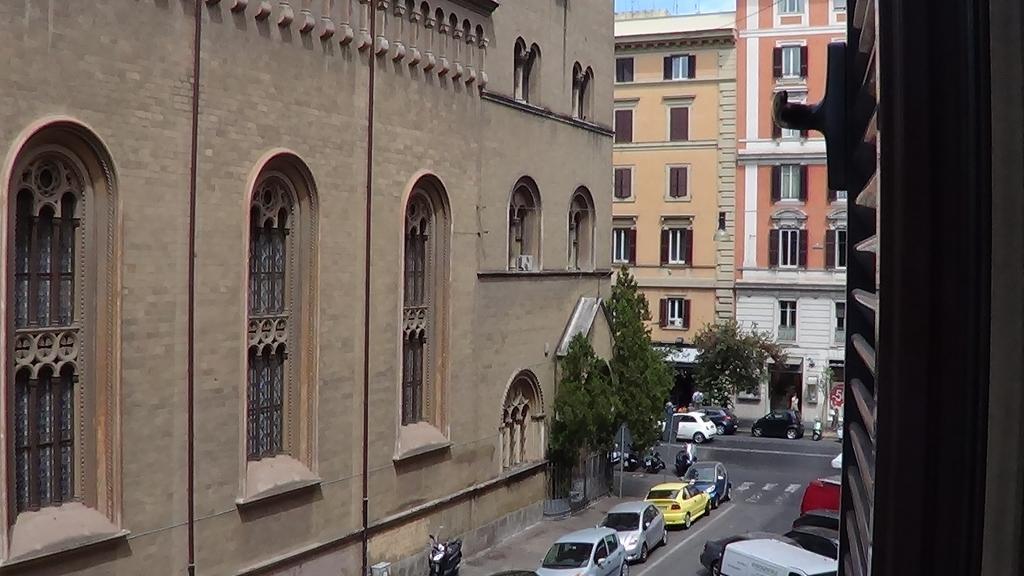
573	486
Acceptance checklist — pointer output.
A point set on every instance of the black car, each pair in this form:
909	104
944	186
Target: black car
779	424
711	556
820	518
724	419
685	458
816	539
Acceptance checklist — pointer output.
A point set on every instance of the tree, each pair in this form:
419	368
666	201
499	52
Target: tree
731	360
642	378
584	404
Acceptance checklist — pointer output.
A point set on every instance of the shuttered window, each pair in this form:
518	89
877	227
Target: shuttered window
677	246
623	126
624	245
623	185
678	177
623	69
679	123
679	67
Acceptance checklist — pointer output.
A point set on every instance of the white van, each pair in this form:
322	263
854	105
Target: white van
774	558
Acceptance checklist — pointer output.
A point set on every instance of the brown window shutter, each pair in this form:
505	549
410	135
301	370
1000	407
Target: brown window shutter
617	186
691	66
803	183
673	182
776	183
686	314
679	124
773	248
623	125
803	249
688	246
627	182
664	246
667	67
684	173
777	62
803	61
830	249
663	312
631	248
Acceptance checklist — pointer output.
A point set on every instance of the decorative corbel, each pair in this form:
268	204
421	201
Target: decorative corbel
381	42
239	6
364	41
429	61
457	38
414	52
470	70
442	62
483	61
327	28
306	20
287	15
399	45
263	11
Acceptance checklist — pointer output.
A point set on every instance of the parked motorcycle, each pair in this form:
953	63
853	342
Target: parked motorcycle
445	557
653	463
816	434
631	460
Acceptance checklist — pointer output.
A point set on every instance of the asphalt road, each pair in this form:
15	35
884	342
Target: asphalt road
768	478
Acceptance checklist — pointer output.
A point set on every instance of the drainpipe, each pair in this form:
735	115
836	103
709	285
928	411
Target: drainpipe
372	57
190	370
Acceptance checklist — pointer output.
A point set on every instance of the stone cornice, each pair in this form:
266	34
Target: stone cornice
498	98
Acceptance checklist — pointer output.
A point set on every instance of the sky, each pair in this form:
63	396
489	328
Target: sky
676	6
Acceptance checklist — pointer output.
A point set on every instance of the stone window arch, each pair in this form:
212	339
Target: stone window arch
522	429
581	231
789	218
281	343
60	371
836	220
582	79
524	226
425	281
527	71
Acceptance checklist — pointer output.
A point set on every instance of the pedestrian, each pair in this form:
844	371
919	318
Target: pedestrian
697	399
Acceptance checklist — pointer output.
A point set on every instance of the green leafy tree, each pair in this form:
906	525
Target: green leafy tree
584	404
642	378
732	360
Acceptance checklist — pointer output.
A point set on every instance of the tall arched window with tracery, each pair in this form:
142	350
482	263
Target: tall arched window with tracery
60	371
425	296
522	429
581	231
524	217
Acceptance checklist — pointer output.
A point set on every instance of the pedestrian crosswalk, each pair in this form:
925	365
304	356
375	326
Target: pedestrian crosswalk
754	493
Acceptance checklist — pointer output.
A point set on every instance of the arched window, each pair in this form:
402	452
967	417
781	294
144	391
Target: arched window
524	217
527	67
581	81
60	313
424	302
581	231
522	422
281	286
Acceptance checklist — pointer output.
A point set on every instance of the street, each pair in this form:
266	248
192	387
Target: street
768	477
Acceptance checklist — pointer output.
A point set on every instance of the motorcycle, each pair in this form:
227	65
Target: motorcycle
653	463
445	557
631	460
816	434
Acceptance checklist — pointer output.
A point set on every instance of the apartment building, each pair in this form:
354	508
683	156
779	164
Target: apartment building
674	168
791	247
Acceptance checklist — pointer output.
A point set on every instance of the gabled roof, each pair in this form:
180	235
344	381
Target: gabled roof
581	321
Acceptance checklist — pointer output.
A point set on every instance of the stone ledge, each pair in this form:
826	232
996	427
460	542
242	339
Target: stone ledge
58	529
417	439
276	476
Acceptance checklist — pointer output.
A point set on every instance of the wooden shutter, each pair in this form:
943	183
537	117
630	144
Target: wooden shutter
677	176
667	67
663	312
627	182
773	248
776	183
623	125
664	246
617	186
688	246
802	262
631	245
803	61
679	123
686	314
777	62
803	183
830	249
691	66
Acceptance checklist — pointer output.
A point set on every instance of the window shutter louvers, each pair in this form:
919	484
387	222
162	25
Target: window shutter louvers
686	314
684	176
688	246
773	248
830	249
623	125
679	124
803	249
617	183
803	183
667	68
776	183
691	66
663	312
631	248
803	61
627	182
664	246
777	62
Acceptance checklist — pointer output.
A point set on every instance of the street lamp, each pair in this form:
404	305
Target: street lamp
721	234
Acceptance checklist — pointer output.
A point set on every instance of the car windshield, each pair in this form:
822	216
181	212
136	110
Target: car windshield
662	494
700	474
568	555
622	521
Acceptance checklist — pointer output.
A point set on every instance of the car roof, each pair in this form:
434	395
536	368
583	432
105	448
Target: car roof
694	413
818	531
636	506
669	486
515	573
590	535
785	554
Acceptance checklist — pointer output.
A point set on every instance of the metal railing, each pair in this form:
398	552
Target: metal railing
572	487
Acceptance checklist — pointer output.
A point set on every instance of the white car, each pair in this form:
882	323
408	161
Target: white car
694	426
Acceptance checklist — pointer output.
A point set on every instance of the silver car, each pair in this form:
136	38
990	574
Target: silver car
590	552
639	526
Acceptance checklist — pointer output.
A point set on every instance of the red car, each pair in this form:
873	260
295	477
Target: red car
821	494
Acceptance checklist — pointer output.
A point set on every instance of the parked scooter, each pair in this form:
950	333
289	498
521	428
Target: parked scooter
653	462
445	557
631	460
816	434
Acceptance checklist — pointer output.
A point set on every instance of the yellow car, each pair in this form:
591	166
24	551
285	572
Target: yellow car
680	503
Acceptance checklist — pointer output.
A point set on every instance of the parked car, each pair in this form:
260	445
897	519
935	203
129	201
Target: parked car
837	462
823	518
822	494
769	557
824	541
725	421
639	526
680	503
685	458
711	478
515	573
694	426
590	552
779	424
711	556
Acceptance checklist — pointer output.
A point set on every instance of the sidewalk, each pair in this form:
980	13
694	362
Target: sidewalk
525	550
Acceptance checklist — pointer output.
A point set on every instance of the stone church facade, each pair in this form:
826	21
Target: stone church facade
397	208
